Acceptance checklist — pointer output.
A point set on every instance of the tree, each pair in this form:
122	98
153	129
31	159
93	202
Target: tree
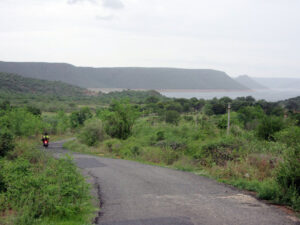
78	118
6	142
92	132
249	113
152	99
35	111
268	126
172	116
5	105
119	119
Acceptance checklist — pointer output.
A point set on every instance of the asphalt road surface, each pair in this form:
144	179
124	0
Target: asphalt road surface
132	193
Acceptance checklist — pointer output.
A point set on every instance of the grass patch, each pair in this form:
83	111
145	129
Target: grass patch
42	190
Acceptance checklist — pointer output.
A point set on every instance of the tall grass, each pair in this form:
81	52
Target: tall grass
39	189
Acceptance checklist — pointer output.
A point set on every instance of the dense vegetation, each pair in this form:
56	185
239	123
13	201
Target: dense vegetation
12	83
54	96
35	188
131	78
261	153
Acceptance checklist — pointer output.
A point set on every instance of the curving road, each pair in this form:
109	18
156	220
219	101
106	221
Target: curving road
136	194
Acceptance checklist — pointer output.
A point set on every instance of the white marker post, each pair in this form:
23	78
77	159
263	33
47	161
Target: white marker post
228	122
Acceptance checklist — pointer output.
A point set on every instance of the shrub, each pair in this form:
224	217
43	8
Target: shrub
268	190
43	187
172	116
160	135
78	118
92	132
119	119
268	126
21	122
249	113
35	111
289	136
6	142
288	177
113	146
220	151
188	118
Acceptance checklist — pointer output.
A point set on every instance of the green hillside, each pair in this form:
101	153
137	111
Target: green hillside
125	77
15	84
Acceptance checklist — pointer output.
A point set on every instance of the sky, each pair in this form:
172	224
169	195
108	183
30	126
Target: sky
260	38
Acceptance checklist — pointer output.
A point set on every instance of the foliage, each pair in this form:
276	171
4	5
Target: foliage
119	119
248	114
38	187
268	126
78	118
13	83
92	132
172	117
289	136
21	122
288	177
34	110
6	142
220	151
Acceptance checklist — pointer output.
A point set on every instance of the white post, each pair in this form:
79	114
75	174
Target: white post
228	122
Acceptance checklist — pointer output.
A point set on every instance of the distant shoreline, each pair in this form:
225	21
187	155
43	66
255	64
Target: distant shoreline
108	90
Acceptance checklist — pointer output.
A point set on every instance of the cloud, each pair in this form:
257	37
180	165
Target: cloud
77	1
114	4
106	18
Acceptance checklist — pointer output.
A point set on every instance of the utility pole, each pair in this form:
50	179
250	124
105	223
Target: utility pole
228	121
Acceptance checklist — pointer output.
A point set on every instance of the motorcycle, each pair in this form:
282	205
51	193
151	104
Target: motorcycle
45	143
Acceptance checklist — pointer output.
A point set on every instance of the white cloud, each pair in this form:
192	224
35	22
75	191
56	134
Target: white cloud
114	4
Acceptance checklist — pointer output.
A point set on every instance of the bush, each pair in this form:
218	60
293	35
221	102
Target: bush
6	142
219	151
21	122
78	118
289	136
172	116
92	132
188	118
288	177
43	187
160	135
113	146
119	120
268	126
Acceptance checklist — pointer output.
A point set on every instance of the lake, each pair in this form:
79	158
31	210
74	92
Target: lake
269	95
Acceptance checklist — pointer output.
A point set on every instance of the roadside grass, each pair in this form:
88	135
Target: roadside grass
240	159
39	189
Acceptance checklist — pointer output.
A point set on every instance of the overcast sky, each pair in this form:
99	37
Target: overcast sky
254	37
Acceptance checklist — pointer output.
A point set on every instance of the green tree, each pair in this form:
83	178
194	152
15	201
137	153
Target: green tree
119	119
6	142
21	122
92	132
172	116
268	126
247	114
79	117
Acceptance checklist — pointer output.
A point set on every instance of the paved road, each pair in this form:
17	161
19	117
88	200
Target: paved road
138	194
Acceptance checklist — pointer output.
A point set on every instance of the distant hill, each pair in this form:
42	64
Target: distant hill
128	78
16	84
279	82
249	82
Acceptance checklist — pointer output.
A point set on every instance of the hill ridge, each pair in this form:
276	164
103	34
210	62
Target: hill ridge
125	77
